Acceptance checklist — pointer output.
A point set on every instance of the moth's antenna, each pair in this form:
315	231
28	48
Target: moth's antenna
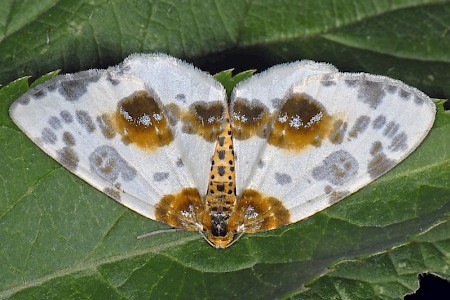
140	237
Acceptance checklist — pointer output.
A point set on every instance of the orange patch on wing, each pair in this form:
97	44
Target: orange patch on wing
140	120
249	119
204	119
257	212
182	210
301	122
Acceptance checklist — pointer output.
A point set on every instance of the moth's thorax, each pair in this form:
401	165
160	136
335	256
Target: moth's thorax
220	198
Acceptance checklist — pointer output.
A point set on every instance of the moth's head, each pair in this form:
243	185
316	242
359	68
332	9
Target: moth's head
219	234
221	242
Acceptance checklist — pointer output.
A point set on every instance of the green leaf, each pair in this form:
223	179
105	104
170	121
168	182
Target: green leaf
61	238
229	81
387	275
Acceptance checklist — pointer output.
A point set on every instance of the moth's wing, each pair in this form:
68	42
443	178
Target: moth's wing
335	134
195	101
109	129
253	102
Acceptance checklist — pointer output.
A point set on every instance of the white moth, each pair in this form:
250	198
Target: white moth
157	135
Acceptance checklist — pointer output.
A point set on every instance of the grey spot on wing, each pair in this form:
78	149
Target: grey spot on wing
85	120
337	133
277	103
115	194
371	92
351	82
377	147
107	163
66	116
51	87
391	129
48	136
360	126
337	168
261	164
181	98
160	176
72	90
110	78
399	142
418	100
68	158
379	165
54	122
333	195
283	178
105	124
39	93
379	122
327	80
391	89
24	100
404	94
68	139
180	163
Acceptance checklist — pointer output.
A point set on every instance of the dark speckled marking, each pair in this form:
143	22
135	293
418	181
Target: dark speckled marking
337	133
68	158
38	94
371	92
399	142
404	94
104	122
111	79
72	90
351	82
283	178
160	176
54	122
379	122
180	163
221	154
277	103
337	168
379	165
359	127
327	81
48	136
221	170
85	120
112	193
261	164
24	100
391	89
418	100
181	98
391	129
66	116
68	139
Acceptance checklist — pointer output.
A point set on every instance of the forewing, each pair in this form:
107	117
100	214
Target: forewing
195	101
109	129
252	105
334	134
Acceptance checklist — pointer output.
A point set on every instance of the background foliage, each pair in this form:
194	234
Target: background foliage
60	238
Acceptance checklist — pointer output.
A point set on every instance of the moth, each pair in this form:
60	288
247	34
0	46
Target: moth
160	137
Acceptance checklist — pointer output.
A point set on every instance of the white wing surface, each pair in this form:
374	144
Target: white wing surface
190	95
329	136
122	135
252	104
